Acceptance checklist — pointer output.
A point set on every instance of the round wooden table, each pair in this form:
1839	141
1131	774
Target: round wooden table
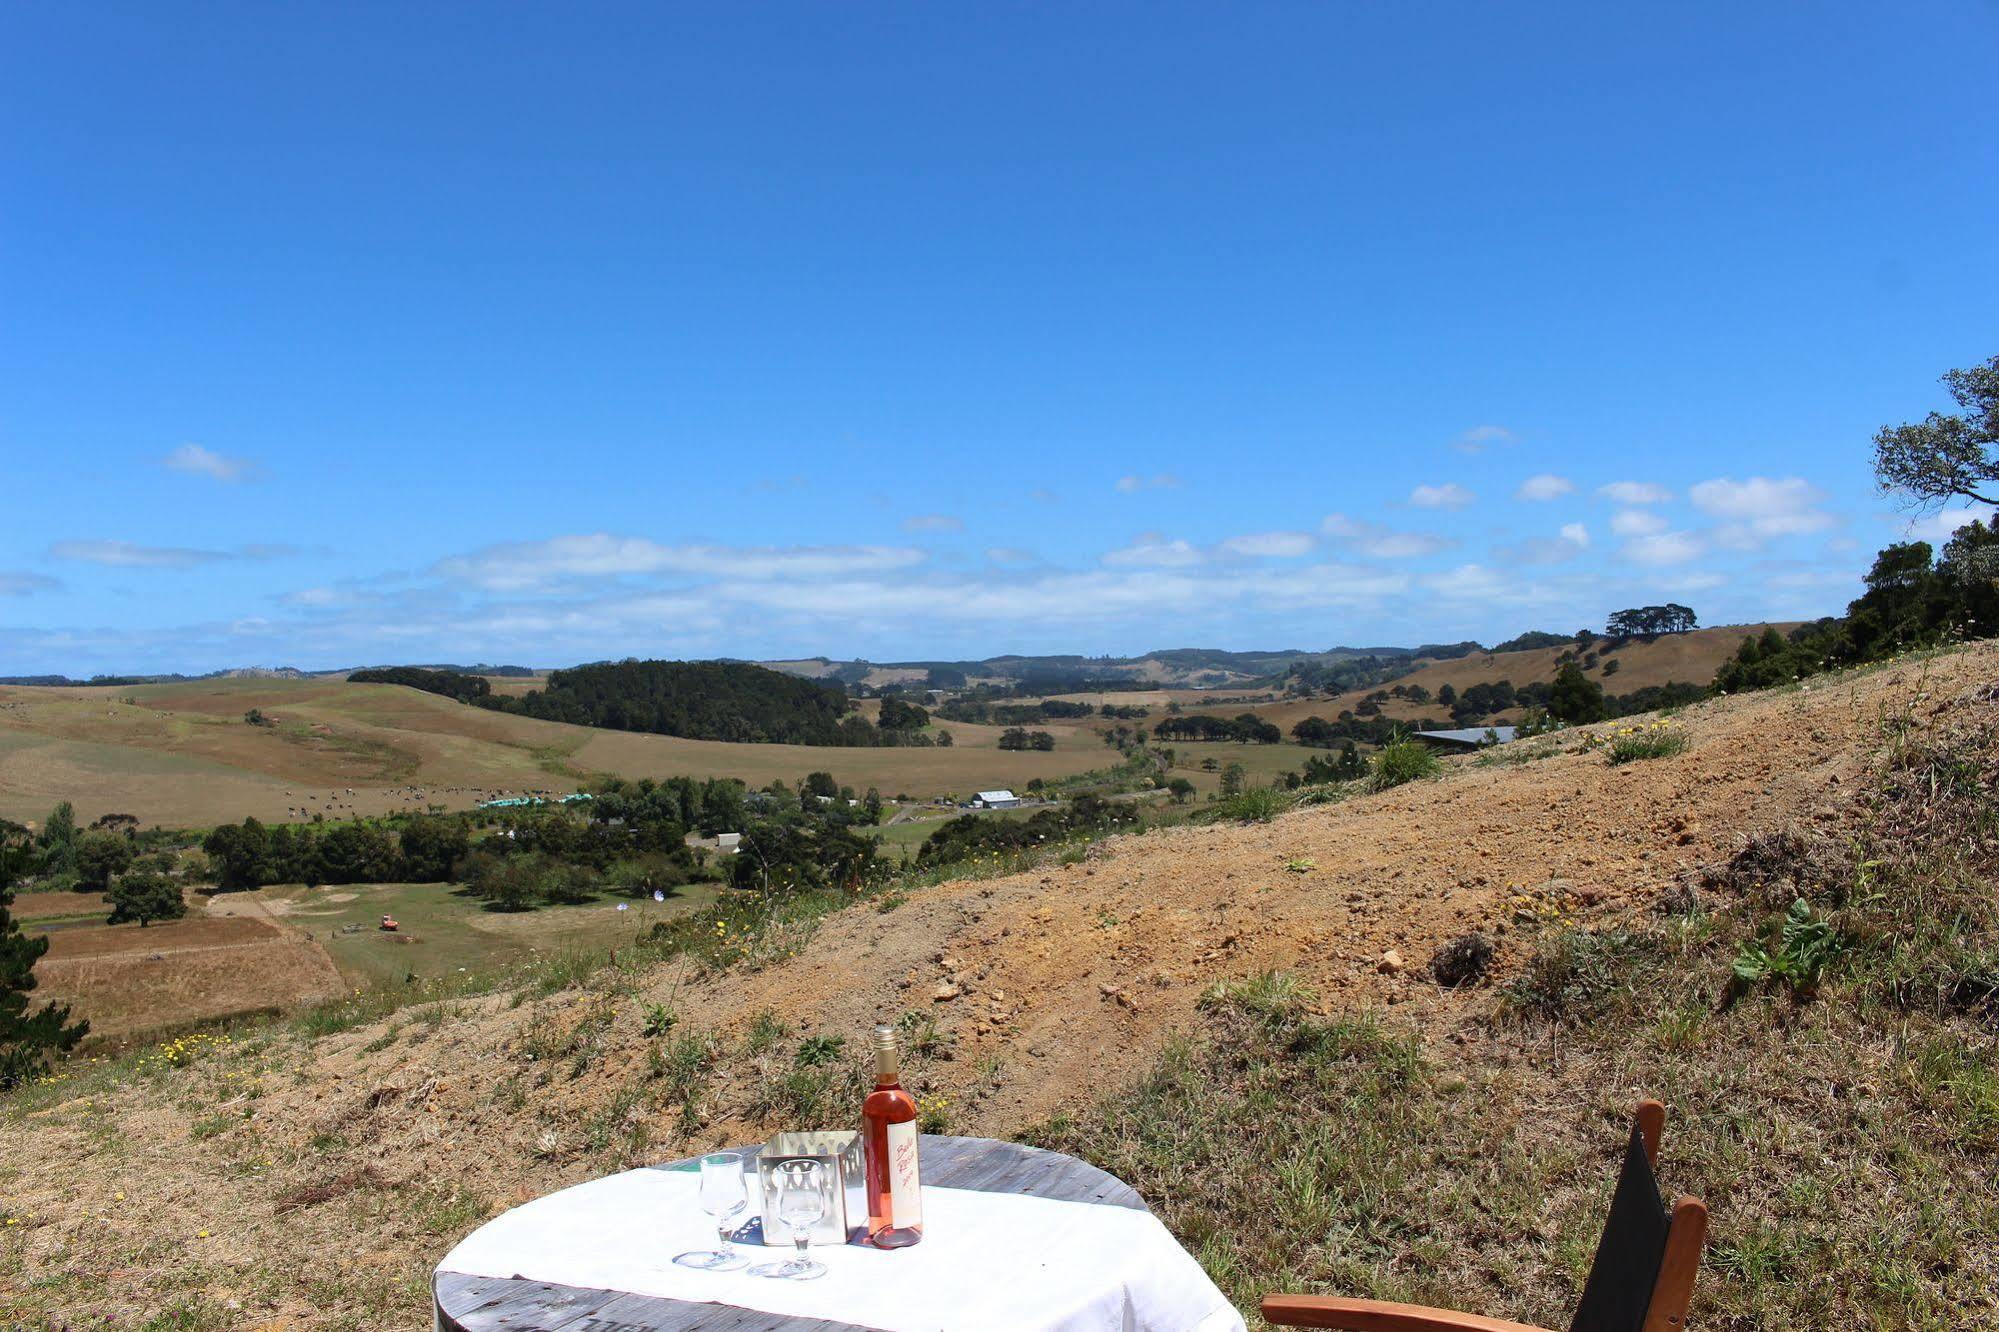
493	1304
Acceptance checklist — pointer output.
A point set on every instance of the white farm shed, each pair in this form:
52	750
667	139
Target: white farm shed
996	800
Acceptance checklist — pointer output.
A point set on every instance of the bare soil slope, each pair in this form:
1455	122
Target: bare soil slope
1047	989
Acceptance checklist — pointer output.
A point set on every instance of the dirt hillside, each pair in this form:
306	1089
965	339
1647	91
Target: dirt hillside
381	1144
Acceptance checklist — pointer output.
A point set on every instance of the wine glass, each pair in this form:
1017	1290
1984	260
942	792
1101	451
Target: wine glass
723	1198
801	1202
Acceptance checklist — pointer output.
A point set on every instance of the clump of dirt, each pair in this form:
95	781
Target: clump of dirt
1462	961
1023	996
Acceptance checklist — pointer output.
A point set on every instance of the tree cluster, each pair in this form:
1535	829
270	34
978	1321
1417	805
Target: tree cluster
1912	599
705	700
451	684
1017	738
1245	728
973	834
1647	621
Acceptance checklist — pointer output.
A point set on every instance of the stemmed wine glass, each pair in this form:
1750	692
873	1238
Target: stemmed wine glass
801	1202
723	1198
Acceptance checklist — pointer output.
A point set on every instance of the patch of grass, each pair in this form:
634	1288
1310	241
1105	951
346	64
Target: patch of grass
1576	974
1258	804
1657	740
1401	762
1518	753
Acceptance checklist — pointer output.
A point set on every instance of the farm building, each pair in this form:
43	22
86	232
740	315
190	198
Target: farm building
995	800
1471	737
728	843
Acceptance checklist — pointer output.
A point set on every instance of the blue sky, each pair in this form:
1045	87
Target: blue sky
363	333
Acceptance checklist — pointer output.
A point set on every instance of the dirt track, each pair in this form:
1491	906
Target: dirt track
1063	984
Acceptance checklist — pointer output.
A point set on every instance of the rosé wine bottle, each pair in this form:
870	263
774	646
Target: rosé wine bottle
888	1128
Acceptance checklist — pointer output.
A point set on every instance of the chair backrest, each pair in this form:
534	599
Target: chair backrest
1625	1272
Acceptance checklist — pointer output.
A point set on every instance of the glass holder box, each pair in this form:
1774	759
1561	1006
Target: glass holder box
838	1151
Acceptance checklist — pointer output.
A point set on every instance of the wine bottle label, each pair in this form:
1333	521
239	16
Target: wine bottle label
905	1198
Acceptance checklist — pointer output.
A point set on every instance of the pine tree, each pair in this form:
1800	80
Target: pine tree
26	1039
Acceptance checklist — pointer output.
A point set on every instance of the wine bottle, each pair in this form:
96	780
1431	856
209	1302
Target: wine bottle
888	1126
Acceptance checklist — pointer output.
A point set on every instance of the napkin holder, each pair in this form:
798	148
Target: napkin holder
838	1152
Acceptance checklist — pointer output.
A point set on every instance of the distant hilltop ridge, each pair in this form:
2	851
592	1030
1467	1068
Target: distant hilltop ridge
241	673
1184	667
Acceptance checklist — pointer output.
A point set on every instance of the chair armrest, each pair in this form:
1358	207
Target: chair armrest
1332	1311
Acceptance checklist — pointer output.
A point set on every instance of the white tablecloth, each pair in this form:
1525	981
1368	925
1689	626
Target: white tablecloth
998	1261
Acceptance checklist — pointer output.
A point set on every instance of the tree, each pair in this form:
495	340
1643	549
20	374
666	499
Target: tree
58	840
26	1038
1946	456
819	784
897	715
100	856
1447	694
1232	779
145	896
240	854
356	853
1181	789
1575	698
871	806
432	849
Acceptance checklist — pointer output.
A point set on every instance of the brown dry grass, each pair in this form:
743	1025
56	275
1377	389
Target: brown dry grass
128	980
1069	982
181	755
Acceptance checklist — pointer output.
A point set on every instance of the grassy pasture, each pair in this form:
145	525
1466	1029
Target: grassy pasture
443	930
1261	763
182	755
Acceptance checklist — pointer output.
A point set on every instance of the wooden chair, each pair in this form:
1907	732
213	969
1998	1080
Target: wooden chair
1641	1280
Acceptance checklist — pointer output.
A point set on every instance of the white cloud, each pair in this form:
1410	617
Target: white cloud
1381	543
1128	485
1805	577
527	564
1663	548
317	597
933	522
1478	585
1450	495
1637	522
1939	527
1479	438
1546	486
196	460
1152	551
1270	545
1760	509
19	583
128	555
1572	541
1635	492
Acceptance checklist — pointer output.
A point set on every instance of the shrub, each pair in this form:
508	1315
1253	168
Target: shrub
1657	740
1258	804
1400	762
